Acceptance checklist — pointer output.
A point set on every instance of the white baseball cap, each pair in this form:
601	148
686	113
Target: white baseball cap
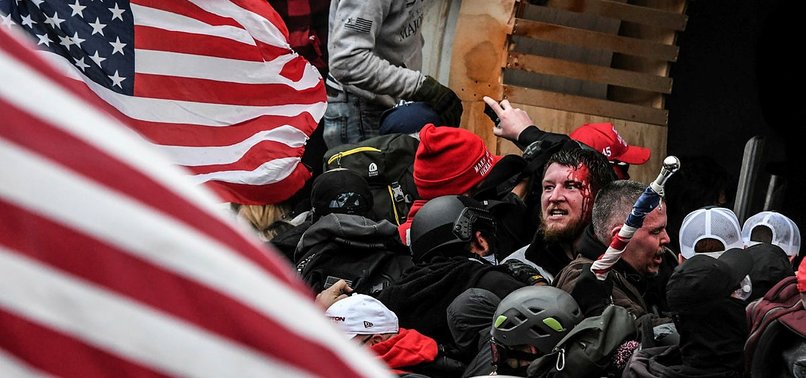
710	223
361	314
785	232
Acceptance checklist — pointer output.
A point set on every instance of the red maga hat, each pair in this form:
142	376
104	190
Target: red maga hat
604	138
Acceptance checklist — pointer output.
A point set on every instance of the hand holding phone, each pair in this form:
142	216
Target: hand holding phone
493	116
509	121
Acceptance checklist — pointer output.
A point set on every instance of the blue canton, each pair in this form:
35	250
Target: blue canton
96	36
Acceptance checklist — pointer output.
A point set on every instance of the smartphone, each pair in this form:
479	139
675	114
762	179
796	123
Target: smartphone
491	113
330	280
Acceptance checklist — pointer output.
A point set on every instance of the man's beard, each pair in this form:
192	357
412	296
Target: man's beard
563	234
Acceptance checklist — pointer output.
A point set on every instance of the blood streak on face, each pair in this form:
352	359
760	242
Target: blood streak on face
581	174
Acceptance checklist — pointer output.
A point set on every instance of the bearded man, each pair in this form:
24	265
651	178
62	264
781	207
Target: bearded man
571	180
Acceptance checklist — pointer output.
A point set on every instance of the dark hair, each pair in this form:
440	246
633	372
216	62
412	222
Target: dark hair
705	245
600	172
761	233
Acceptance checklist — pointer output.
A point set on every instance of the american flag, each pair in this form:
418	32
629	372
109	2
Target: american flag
113	263
213	83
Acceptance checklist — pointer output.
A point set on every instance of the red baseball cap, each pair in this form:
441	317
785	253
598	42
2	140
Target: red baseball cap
604	138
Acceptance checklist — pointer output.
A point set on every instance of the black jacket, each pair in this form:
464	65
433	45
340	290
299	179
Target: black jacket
421	297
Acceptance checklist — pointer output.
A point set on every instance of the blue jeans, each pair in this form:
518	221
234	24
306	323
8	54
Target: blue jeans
349	119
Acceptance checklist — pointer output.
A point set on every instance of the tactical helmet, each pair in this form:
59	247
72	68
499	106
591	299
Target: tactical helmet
447	221
535	315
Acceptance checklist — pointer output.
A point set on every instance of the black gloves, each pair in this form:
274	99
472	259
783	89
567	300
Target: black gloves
524	272
442	99
591	294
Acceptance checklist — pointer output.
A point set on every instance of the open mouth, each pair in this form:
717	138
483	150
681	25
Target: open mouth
554	213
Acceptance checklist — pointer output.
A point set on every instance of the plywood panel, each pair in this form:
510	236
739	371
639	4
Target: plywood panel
479	48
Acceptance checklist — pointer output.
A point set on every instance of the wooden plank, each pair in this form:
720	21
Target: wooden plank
553	100
626	12
594	40
589	72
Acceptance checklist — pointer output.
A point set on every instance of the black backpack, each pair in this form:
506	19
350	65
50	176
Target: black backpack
387	163
369	261
771	318
587	350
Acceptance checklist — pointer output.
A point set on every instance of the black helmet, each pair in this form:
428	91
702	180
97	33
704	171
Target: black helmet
447	221
535	315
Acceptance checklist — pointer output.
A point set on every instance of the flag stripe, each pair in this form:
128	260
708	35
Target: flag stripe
179	134
147	16
264	29
11	366
246	157
221	69
165	350
164	291
279	138
147	38
84	361
199	89
265	173
187	9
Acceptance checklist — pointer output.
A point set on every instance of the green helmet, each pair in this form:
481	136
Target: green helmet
535	315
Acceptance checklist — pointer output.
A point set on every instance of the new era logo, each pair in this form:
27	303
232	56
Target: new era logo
368	324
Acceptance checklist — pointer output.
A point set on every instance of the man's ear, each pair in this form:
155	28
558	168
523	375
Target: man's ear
479	245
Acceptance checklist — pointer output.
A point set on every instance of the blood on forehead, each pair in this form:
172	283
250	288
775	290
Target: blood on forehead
581	175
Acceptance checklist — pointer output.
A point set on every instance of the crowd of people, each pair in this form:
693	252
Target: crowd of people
472	291
490	269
